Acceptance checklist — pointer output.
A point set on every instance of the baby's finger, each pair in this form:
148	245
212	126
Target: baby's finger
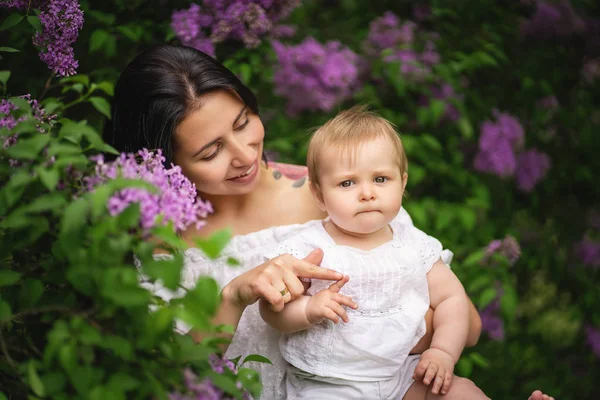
337	286
330	314
438	381
420	370
339	310
447	382
432	370
344	300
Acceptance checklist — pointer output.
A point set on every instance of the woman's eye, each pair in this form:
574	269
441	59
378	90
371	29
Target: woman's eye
213	154
381	179
242	126
347	183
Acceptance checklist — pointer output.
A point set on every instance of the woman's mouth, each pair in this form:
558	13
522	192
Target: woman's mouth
247	176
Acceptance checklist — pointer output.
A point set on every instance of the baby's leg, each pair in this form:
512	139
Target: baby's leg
461	389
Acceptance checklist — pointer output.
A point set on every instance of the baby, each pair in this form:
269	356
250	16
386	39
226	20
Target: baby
358	173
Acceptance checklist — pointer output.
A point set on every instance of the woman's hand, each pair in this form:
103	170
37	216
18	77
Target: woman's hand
276	281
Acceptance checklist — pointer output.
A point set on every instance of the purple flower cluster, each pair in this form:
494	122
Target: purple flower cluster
9	120
491	322
588	252
552	20
593	339
315	77
500	146
205	389
202	26
508	247
447	94
416	57
61	22
176	201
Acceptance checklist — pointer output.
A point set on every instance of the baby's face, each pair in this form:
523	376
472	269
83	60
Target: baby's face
361	195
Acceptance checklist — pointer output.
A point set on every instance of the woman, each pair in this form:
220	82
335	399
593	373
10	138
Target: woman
206	121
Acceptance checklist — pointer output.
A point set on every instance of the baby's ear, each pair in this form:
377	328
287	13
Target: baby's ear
316	192
404	181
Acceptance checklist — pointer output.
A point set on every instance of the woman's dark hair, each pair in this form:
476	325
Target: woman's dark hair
158	90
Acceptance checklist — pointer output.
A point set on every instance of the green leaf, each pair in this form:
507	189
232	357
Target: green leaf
486	297
106	87
233	262
121	382
4	77
213	246
8	277
204	296
5	312
31	292
256	358
74	218
34	380
101	104
437	109
474	258
479	360
130	216
11	21
509	302
464	367
98	39
35	22
465	127
9	50
225	383
49	177
28	149
167	271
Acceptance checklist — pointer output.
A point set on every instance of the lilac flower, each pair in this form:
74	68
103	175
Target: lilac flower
508	247
176	201
197	389
18	4
422	12
387	32
549	103
553	20
588	252
593	339
491	322
315	77
61	22
215	21
9	121
446	93
497	145
532	166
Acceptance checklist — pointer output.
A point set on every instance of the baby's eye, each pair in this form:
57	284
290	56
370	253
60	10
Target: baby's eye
381	179
347	183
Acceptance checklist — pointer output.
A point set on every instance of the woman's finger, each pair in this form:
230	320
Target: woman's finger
339	310
294	285
271	295
337	286
344	300
306	269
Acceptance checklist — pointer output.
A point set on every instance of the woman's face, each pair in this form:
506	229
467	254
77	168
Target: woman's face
219	146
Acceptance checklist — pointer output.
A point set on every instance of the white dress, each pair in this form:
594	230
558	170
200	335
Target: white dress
253	335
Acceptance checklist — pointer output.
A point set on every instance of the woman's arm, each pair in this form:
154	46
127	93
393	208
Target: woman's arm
266	282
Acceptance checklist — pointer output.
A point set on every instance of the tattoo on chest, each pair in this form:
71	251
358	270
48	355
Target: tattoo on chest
277	174
299	182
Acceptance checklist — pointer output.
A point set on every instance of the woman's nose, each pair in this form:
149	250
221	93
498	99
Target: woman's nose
243	154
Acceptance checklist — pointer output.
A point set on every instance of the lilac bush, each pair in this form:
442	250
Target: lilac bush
214	21
508	247
177	200
61	22
532	166
314	76
593	339
491	322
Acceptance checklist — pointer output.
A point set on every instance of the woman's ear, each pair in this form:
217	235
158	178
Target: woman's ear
316	192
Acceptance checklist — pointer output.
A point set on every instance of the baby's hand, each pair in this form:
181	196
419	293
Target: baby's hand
436	366
328	304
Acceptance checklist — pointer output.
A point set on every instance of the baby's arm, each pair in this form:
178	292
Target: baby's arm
450	328
306	311
451	318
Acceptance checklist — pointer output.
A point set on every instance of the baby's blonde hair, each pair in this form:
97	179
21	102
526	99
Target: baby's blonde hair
346	132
